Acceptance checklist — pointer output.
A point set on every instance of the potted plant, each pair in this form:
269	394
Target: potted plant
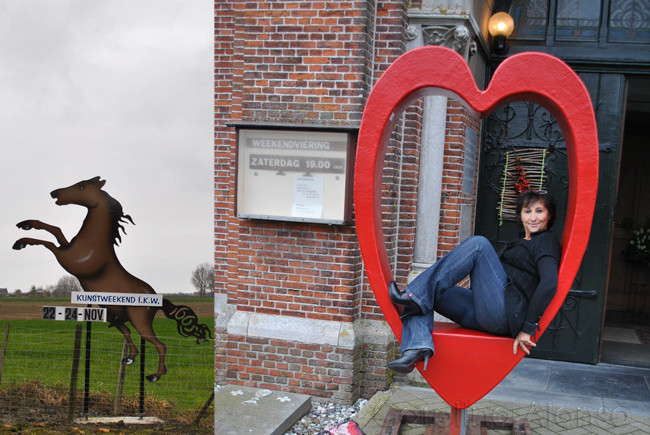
638	248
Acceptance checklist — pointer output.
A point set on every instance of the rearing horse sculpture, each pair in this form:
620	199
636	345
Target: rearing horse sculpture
90	256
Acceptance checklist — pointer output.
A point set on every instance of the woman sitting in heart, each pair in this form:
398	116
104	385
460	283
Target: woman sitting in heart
509	291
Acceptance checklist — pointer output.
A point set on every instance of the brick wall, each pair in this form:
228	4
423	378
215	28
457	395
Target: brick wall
400	192
224	137
455	159
313	63
322	371
302	270
303	61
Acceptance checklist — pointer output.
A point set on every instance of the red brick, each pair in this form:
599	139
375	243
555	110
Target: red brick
307	62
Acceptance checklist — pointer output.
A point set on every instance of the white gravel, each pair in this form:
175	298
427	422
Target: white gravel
325	415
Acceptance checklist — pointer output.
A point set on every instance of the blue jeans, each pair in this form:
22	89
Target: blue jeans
482	307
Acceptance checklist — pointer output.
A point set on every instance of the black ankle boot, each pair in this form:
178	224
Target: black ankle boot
402	298
409	359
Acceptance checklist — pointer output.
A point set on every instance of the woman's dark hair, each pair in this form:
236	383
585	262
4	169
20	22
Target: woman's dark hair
532	196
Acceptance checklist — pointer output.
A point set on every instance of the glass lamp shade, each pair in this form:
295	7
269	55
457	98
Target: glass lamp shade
501	24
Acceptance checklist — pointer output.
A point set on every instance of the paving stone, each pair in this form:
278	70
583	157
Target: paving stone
542	418
242	410
582	382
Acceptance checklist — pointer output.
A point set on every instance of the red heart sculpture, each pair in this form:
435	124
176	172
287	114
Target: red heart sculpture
468	364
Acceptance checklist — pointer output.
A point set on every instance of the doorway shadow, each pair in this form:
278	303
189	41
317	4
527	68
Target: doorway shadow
626	339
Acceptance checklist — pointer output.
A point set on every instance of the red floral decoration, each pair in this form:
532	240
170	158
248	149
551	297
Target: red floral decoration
522	183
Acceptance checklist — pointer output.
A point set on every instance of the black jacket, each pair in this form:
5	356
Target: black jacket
532	269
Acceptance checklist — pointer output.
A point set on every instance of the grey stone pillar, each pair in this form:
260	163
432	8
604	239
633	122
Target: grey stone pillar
429	182
453	34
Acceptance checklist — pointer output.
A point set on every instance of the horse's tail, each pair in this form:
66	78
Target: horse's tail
187	321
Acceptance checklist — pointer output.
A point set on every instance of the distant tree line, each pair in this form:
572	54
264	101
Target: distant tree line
63	288
202	279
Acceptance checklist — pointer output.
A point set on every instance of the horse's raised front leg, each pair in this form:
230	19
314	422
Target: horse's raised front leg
25	241
38	225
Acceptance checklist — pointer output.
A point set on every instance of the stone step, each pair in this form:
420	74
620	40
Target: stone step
244	410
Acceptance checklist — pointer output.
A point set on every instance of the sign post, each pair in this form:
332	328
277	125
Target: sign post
89	314
129	299
142	364
87	372
75	314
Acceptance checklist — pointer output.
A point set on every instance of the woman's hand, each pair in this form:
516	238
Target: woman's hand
522	341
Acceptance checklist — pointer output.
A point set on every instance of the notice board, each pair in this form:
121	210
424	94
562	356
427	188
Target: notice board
294	175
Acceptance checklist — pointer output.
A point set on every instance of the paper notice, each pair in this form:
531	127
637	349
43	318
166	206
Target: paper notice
308	196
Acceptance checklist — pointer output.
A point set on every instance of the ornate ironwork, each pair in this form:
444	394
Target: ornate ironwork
522	125
566	320
535	128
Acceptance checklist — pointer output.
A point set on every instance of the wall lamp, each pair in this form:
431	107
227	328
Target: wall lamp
500	26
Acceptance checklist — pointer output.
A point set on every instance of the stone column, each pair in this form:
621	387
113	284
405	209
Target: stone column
456	36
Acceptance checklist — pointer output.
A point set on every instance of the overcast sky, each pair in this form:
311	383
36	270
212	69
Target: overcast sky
121	89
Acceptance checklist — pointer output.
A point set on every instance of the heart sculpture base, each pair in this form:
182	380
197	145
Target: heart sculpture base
468	364
471	375
441	423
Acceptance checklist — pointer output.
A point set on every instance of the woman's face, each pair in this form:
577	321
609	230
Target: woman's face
535	218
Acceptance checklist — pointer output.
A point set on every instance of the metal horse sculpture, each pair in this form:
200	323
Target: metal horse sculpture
90	256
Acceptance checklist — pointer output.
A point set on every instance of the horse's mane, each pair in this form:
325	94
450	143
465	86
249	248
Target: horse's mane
117	218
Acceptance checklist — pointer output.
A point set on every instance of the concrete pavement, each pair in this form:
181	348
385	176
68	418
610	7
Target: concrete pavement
554	397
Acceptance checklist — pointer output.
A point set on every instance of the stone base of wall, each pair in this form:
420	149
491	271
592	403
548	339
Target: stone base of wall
331	361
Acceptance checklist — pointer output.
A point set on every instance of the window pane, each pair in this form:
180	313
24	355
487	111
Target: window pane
629	21
530	17
578	20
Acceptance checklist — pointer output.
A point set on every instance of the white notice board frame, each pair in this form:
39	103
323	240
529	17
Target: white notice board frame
294	174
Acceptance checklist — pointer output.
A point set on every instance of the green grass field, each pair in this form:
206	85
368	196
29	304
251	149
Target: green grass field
42	350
